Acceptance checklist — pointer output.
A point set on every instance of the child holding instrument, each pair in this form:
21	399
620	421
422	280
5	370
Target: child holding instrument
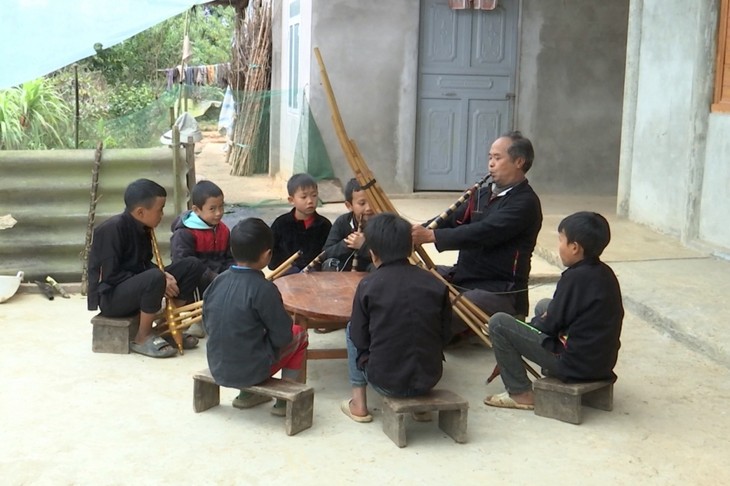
401	319
250	334
302	228
346	240
574	336
122	278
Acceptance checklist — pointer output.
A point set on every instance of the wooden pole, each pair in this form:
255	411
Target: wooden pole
93	199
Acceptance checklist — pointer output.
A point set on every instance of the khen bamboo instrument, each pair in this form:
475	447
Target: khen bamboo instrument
169	307
286	265
467	194
313	263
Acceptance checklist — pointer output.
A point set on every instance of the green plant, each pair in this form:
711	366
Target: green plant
126	99
34	116
11	133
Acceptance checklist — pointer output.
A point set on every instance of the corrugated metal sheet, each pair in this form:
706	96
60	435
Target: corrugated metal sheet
48	193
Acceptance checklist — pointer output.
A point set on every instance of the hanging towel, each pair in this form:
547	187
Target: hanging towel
228	114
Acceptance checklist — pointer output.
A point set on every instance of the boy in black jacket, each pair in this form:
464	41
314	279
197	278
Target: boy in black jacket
302	228
122	278
574	336
401	320
250	334
346	242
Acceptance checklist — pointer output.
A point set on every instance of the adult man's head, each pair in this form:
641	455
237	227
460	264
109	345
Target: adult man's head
510	157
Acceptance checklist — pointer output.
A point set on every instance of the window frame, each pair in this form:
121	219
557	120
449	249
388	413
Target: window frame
294	24
721	98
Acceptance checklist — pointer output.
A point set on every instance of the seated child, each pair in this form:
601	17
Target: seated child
250	335
302	228
346	241
401	320
573	337
200	233
123	280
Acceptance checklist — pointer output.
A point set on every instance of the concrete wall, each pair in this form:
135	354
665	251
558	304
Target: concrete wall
570	92
675	154
715	203
370	50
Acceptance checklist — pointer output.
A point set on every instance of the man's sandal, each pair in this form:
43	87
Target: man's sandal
154	347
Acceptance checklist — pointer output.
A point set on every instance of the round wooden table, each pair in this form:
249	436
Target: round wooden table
321	300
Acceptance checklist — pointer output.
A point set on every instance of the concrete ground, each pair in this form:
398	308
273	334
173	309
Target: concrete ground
70	416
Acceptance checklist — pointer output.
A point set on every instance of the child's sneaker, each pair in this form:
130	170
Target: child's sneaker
247	400
279	408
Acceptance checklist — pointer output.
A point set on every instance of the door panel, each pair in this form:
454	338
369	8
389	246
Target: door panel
440	122
466	77
486	119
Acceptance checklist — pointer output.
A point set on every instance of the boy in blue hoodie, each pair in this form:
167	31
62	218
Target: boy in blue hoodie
199	232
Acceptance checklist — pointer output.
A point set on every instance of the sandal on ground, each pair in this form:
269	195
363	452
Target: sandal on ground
362	419
248	400
421	416
189	341
503	400
154	347
323	330
279	408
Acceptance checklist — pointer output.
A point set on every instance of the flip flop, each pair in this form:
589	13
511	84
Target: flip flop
154	347
503	400
322	330
361	419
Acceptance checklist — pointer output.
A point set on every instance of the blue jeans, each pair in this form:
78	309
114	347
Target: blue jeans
513	339
359	378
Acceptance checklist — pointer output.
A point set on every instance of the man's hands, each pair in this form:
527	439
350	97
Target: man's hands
422	235
171	288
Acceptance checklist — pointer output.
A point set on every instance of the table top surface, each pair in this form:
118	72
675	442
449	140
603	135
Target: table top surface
320	295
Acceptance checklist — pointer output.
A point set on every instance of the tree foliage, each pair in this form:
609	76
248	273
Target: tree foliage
141	59
33	115
121	89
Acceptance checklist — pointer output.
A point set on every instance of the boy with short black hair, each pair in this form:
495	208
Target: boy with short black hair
250	334
576	335
200	232
346	240
302	228
401	321
122	278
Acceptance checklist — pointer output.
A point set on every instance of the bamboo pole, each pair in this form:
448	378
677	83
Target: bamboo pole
93	199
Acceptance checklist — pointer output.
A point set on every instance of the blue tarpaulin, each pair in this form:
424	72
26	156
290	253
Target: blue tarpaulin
40	36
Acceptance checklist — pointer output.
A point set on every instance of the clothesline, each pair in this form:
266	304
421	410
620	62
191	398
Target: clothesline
205	74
